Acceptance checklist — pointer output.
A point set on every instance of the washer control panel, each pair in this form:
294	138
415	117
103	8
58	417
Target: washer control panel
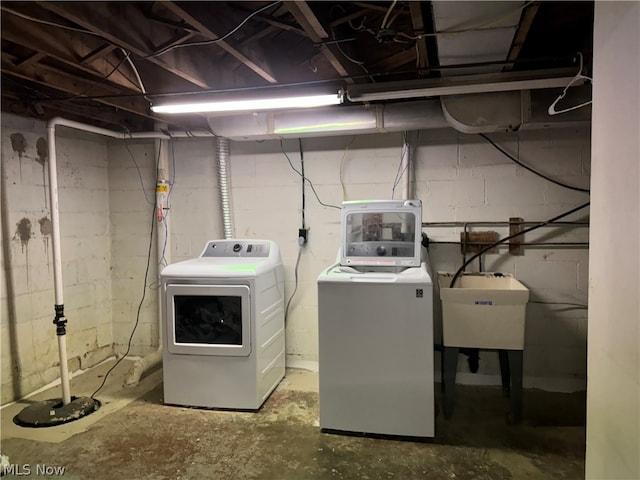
236	248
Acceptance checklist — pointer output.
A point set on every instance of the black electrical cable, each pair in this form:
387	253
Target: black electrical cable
215	40
144	295
505	239
532	170
295	288
313	189
303	176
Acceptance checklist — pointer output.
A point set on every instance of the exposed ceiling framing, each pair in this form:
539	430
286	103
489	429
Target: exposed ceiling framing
105	63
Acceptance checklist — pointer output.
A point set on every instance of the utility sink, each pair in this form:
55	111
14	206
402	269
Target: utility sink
483	310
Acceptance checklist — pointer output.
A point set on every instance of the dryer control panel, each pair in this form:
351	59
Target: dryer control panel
236	248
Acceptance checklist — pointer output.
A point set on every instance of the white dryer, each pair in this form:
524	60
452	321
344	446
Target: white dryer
223	318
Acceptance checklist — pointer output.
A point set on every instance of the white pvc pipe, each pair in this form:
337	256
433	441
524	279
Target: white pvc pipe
64	370
55	217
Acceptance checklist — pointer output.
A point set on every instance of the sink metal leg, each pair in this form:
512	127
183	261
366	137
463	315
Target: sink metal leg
505	372
516	367
450	367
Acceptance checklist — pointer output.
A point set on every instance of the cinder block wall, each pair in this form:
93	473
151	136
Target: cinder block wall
107	222
132	172
459	178
194	218
29	344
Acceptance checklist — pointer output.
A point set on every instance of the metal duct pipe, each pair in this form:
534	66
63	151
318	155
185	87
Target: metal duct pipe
331	121
223	162
468	113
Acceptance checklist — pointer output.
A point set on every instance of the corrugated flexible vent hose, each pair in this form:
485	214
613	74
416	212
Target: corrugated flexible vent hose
223	162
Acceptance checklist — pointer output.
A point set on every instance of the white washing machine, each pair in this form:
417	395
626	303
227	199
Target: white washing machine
223	317
375	325
376	351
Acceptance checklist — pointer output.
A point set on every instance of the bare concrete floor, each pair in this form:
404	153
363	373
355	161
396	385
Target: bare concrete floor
144	439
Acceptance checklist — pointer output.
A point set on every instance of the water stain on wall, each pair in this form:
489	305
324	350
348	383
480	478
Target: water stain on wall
46	227
18	143
42	149
23	232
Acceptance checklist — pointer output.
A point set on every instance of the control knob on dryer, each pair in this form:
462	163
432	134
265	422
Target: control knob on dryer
381	250
237	247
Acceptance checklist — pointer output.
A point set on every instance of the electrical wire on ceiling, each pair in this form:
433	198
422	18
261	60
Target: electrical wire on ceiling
215	40
127	57
80	30
383	25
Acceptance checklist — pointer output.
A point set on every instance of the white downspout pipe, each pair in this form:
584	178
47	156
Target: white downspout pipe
60	319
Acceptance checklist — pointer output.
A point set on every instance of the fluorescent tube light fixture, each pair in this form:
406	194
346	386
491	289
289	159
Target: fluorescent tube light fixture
249	105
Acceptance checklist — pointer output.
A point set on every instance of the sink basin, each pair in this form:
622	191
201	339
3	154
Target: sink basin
483	310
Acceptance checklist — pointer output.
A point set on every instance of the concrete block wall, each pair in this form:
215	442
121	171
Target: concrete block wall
107	223
29	344
459	178
132	173
193	219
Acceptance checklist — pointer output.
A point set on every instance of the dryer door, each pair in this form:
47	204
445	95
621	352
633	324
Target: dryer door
208	319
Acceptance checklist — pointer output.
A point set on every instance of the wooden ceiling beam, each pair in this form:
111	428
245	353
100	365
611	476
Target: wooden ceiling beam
272	20
422	63
97	18
261	69
33	58
520	37
316	32
394	61
72	85
66	47
100	52
348	18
